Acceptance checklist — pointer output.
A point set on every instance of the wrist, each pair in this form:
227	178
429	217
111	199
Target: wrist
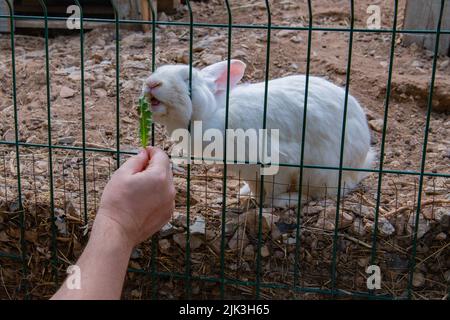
111	234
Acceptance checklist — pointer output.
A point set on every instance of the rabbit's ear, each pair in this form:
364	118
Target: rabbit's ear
218	73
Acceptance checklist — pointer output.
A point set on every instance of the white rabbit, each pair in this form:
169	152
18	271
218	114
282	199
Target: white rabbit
168	90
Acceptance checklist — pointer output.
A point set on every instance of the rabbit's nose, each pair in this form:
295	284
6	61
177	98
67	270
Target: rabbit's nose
153	84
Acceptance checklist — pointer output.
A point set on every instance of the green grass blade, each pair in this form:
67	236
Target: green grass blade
145	121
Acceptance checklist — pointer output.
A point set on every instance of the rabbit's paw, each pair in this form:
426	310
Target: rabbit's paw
245	191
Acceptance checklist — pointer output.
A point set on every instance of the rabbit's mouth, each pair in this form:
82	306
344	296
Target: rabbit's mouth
156	105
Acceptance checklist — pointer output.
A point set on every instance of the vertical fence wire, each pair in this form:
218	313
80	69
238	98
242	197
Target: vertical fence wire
16	148
412	261
83	116
117	51
341	157
188	182
50	151
302	151
383	138
154	247
225	167
261	189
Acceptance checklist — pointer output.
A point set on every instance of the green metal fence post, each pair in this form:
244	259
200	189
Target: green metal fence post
261	190
341	157
117	35
225	167
83	115
50	151
17	149
383	139
302	151
188	182
412	261
154	248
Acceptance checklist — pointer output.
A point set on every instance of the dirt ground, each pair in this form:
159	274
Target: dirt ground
285	259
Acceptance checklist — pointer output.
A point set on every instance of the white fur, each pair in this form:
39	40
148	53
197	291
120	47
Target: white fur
285	112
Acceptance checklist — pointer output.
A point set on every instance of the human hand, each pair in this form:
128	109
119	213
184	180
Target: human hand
139	198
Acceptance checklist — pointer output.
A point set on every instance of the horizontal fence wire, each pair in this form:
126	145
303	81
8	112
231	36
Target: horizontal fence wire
234	26
188	275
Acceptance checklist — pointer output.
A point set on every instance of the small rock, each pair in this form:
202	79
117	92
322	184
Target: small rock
163	17
60	221
9	135
376	125
363	262
206	43
231	226
136	253
385	228
239	239
15	206
312	210
239	54
358	227
195	241
251	219
265	251
209	58
136	294
216	244
182	57
296	39
441	236
135	40
418	280
164	245
445	64
327	219
395	164
179	219
66	92
290	241
442	215
99	84
366	212
249	252
417	64
285	33
66	140
76	76
199	226
423	227
100	92
167	230
129	85
135	65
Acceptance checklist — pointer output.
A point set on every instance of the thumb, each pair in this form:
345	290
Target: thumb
159	160
136	163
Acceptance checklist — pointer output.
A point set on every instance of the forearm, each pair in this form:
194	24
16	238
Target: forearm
102	265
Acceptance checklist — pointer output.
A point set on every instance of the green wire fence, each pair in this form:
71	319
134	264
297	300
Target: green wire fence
220	278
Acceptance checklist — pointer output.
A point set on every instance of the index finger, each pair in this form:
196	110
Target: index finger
158	160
